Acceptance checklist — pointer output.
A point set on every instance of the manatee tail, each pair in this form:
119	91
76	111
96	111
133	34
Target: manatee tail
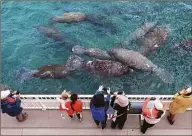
24	74
75	62
164	75
78	50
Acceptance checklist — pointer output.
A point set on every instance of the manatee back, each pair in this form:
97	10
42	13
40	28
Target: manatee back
133	59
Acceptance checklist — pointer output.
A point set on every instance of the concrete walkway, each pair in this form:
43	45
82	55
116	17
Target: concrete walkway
50	123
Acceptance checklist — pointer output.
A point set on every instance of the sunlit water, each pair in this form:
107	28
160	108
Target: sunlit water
24	46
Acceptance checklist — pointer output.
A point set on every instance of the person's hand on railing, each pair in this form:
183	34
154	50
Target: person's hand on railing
100	88
108	91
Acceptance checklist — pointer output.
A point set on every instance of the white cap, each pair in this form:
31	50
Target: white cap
4	94
158	105
122	100
188	90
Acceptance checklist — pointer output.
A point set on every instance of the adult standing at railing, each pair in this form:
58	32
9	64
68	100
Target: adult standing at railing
11	104
99	106
120	103
182	100
153	110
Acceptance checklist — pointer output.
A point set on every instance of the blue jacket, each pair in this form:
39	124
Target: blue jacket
99	108
12	109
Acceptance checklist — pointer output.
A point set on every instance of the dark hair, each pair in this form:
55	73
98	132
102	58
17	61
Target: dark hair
189	94
160	113
104	89
99	100
73	98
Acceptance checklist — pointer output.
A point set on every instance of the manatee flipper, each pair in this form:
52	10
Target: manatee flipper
78	50
24	74
75	62
164	75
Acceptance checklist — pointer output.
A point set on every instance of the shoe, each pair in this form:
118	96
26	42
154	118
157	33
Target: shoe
73	117
169	120
81	118
24	117
104	126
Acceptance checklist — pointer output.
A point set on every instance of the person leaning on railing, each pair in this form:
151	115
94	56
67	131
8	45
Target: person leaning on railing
11	104
99	106
153	110
119	102
182	100
75	107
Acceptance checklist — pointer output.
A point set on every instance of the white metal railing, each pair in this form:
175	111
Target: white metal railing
44	102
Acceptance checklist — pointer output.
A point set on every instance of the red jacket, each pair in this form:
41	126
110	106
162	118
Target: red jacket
78	107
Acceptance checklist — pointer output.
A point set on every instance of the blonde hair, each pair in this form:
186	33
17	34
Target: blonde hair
65	94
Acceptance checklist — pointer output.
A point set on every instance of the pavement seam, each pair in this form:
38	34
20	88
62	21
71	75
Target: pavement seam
22	132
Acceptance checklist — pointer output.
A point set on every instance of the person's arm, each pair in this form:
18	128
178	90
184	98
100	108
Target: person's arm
179	93
107	100
18	103
164	108
91	103
145	109
112	101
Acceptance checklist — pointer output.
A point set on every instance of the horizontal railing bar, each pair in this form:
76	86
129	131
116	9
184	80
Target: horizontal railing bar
49	101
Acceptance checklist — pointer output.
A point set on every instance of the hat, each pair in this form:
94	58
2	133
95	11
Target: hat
158	105
4	94
122	100
188	90
65	93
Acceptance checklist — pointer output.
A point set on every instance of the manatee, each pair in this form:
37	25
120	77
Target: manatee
140	32
103	21
91	52
107	68
137	61
44	72
55	34
75	62
50	32
186	44
70	17
153	40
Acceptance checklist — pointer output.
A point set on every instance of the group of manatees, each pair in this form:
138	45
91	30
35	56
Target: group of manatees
116	62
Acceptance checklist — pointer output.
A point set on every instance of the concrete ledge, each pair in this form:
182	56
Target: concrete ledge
97	131
11	131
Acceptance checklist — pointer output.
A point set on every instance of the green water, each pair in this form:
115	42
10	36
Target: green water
24	46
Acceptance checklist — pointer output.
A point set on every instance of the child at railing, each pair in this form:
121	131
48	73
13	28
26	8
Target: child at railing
75	107
62	101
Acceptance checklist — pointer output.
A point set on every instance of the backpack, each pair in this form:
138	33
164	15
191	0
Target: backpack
98	114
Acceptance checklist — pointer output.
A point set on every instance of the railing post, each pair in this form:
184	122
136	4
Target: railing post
42	105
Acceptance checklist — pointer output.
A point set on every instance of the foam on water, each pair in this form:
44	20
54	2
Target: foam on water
23	46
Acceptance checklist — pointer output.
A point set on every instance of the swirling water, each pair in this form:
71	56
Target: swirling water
24	46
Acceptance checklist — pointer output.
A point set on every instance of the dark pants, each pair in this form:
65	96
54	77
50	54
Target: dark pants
171	118
146	126
103	123
120	121
114	124
77	114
